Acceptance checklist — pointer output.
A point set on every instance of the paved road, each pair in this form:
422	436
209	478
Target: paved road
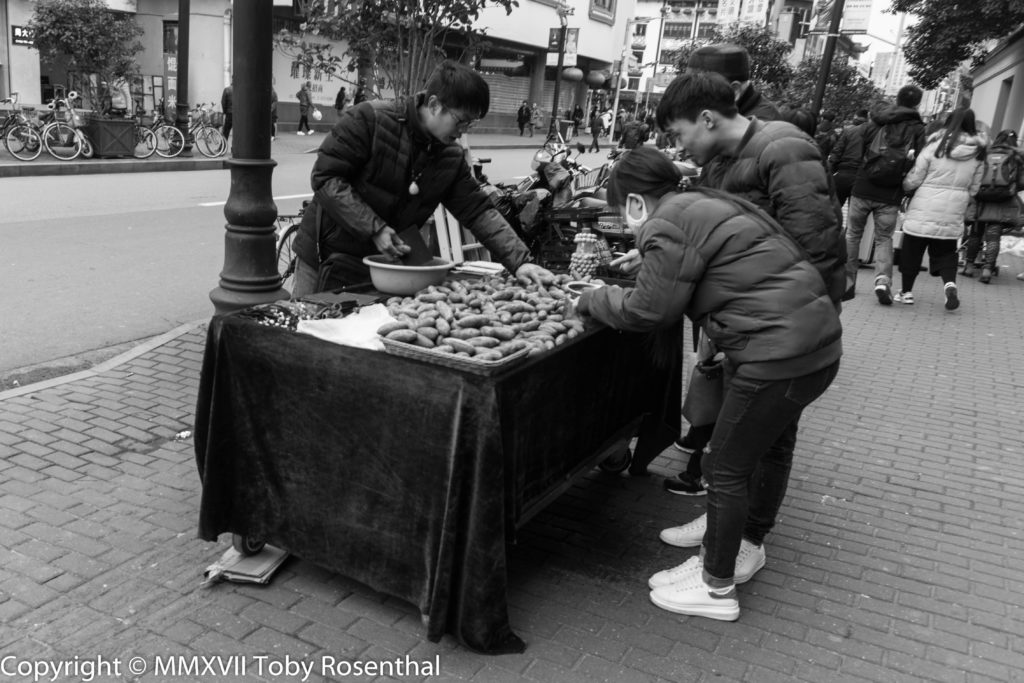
94	261
897	555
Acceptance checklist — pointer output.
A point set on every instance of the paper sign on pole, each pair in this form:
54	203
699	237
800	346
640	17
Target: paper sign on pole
856	15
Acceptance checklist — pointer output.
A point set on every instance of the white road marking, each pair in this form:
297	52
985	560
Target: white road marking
284	196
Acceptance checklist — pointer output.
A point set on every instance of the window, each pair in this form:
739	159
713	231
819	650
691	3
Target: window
603	11
633	83
640	30
638	55
706	29
675	30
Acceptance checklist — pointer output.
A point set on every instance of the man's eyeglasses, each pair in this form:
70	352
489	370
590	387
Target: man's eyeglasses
461	123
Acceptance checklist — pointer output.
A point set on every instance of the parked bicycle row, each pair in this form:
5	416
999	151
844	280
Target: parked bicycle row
65	133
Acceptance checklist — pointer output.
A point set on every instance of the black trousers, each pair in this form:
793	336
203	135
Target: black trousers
941	259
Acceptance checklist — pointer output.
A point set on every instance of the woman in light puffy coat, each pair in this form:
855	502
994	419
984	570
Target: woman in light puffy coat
945	176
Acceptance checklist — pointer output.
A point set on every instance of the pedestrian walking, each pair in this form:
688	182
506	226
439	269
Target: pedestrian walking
534	118
340	100
577	120
523	117
895	131
946	174
996	208
846	156
596	130
273	114
719	260
227	106
305	106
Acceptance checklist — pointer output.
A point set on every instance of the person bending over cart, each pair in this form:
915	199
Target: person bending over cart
734	271
385	167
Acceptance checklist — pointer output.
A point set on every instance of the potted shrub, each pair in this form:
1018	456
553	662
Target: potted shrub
101	46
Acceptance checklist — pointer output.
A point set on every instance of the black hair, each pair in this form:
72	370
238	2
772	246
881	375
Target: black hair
802	119
862	113
644	171
459	87
691	93
909	96
1006	138
960	120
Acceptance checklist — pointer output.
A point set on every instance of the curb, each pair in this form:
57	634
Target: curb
109	364
27	169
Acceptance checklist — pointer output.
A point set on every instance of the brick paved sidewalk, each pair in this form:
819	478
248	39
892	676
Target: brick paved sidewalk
897	557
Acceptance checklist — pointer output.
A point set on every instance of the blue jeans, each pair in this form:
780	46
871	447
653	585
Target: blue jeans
885	223
747	463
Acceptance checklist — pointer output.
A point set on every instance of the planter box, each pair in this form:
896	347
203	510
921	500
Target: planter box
111	137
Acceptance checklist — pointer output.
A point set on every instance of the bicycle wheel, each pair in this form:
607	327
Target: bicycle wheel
61	141
286	256
169	141
145	143
24	143
209	141
87	149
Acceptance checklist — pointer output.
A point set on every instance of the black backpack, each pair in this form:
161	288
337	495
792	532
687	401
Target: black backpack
999	183
887	158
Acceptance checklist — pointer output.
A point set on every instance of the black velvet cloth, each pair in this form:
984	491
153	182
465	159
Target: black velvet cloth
407	476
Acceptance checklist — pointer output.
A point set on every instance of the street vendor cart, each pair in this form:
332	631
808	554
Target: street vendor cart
409	476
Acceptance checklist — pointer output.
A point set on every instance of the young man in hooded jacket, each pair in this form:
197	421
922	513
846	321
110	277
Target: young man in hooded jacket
901	122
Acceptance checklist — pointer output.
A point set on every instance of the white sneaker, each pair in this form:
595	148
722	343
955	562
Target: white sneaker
904	298
749	561
676	574
695	597
688	535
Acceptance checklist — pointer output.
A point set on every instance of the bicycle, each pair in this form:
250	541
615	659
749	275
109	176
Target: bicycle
169	140
20	137
208	140
61	139
287	228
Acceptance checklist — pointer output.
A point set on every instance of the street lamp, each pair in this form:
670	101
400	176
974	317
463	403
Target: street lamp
564	11
624	56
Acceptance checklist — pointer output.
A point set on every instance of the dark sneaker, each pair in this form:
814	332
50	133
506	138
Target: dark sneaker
952	300
968	270
986	275
884	294
685	485
849	294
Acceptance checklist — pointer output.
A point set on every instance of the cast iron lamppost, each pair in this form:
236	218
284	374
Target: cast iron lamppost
181	103
250	262
564	11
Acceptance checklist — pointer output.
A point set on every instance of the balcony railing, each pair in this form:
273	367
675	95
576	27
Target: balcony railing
638	42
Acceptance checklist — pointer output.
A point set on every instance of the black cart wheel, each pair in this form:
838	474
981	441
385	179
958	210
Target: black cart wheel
614	464
246	545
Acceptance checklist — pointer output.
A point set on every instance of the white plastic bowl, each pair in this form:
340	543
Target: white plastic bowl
391	277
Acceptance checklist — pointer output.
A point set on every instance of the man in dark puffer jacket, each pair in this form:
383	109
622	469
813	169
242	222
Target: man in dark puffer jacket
720	262
771	164
903	123
385	167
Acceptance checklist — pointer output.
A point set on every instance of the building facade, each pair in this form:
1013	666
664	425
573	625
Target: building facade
515	62
998	95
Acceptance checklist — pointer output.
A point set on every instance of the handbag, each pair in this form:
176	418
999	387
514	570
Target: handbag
704	393
897	234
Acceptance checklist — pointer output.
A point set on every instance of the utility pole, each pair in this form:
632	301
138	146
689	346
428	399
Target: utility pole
618	76
826	58
563	18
